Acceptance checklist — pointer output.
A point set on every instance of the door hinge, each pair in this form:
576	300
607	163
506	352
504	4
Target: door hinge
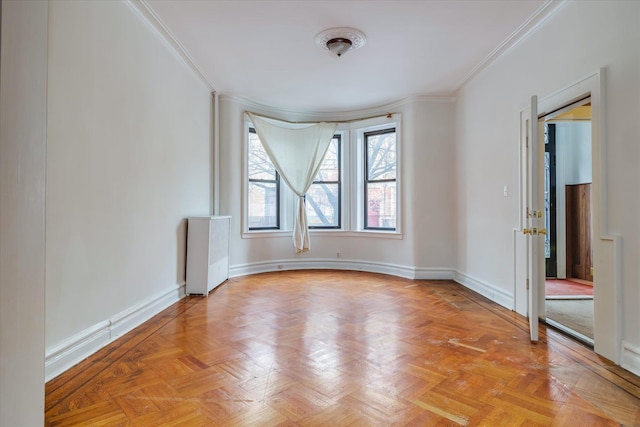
527	284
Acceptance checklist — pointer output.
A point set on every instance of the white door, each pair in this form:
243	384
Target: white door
534	220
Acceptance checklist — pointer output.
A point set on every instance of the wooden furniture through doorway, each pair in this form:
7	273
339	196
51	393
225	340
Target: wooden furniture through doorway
579	252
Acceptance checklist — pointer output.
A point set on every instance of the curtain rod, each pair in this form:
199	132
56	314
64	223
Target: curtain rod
387	115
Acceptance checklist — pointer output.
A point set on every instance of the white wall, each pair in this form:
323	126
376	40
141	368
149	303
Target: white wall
573	148
428	211
573	166
128	159
576	41
23	78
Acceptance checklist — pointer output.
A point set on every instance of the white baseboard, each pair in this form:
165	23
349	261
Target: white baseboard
75	349
83	344
631	357
342	264
499	296
433	273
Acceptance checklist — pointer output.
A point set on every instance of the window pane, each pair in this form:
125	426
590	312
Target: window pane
381	205
381	156
330	167
263	205
322	205
260	167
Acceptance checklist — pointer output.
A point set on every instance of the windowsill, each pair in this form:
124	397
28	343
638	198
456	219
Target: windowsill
380	234
253	234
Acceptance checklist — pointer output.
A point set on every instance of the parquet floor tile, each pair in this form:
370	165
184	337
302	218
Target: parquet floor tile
332	348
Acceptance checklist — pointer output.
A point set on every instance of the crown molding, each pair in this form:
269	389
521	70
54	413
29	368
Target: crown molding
291	115
550	7
148	15
434	98
544	12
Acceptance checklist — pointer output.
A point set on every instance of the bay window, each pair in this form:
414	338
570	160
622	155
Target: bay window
356	190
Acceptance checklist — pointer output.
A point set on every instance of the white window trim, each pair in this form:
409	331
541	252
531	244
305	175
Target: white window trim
357	205
352	179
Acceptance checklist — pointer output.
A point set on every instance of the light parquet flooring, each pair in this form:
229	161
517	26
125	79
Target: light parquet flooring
337	348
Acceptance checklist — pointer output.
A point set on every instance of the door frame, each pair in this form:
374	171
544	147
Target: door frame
607	247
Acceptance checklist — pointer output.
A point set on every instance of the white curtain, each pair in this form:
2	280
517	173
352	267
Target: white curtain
296	154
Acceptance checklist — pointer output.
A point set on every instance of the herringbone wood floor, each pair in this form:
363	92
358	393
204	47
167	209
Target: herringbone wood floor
341	348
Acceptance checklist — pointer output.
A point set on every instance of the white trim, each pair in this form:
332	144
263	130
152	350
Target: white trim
75	349
543	13
496	295
153	21
607	247
83	344
319	233
342	264
433	273
338	115
519	271
446	98
137	314
631	357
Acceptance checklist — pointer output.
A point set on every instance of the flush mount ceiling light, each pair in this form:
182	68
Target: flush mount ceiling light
340	40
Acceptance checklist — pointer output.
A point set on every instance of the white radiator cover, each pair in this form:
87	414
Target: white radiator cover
207	253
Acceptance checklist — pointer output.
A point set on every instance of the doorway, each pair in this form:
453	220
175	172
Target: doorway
529	277
568	210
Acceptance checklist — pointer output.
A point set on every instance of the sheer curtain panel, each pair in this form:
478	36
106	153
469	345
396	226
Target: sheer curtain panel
296	154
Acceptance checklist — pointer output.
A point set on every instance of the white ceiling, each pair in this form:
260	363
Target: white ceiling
264	50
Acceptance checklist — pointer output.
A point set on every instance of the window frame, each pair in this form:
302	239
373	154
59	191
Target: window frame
276	181
338	136
351	188
368	180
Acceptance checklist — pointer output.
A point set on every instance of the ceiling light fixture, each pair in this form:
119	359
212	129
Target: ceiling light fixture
338	46
340	40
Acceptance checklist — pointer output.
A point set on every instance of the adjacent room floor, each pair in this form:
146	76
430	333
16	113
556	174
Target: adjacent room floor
324	348
569	305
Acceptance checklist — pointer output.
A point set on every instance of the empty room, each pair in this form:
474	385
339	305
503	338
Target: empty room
271	212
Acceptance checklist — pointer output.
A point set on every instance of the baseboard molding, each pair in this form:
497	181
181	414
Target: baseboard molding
340	264
83	344
631	358
433	274
75	349
499	296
